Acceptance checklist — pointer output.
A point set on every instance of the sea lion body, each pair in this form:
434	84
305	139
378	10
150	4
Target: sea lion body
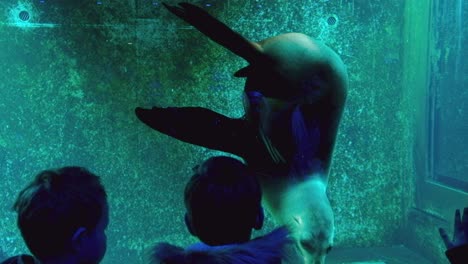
295	93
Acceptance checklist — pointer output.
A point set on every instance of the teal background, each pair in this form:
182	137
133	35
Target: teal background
72	75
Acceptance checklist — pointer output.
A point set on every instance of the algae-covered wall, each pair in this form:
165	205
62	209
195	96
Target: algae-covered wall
72	74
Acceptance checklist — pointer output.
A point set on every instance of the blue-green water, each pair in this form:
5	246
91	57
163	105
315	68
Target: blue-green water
71	74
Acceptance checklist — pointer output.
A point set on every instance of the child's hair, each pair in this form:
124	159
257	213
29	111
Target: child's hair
223	201
54	205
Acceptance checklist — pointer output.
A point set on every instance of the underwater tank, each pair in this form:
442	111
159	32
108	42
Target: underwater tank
72	73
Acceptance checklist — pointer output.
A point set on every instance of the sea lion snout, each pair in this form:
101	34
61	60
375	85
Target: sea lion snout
307	212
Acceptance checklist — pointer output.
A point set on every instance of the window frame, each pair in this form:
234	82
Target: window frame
433	196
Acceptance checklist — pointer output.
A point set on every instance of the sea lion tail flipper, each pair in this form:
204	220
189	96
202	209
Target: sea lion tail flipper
216	30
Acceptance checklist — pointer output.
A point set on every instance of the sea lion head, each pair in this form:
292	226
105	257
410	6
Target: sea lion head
308	214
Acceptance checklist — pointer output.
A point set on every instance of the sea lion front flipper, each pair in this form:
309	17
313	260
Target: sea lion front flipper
217	31
198	126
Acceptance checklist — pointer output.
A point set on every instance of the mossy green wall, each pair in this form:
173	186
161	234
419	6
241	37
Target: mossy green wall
68	89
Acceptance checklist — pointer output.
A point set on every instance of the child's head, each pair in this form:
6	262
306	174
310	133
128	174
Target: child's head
63	214
223	202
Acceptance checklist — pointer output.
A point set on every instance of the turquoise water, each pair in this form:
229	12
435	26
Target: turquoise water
72	73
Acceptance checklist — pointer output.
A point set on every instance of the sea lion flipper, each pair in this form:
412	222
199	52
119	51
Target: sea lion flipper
216	30
196	125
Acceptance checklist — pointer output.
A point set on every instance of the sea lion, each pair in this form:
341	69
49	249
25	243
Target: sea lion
295	93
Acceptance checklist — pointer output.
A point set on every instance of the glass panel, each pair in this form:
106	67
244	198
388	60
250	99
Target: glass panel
449	83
